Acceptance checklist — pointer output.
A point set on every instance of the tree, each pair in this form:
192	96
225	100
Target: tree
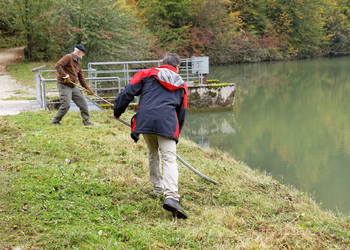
307	34
338	27
218	25
107	28
169	20
29	19
10	32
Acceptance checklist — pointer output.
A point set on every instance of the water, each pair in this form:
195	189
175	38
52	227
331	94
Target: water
291	119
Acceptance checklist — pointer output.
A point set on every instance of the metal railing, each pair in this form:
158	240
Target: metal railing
190	70
46	87
119	73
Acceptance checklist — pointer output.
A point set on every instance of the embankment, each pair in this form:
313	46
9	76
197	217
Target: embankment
88	187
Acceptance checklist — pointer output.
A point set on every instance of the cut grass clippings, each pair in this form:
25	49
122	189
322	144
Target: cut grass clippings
73	186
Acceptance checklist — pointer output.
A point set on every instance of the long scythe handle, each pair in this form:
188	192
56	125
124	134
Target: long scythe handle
195	171
99	97
178	157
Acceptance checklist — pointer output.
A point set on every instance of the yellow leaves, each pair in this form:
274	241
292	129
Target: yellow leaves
235	14
234	18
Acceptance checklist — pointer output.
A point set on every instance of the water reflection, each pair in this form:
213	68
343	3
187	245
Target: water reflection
290	119
201	127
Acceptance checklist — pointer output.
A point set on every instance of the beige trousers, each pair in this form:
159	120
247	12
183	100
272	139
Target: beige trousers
163	176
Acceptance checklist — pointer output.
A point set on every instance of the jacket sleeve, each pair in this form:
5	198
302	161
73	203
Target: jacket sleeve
60	64
126	96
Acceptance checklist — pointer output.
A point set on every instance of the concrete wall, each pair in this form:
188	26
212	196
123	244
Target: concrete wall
211	96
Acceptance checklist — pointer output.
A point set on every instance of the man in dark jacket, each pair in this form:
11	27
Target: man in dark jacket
159	117
69	72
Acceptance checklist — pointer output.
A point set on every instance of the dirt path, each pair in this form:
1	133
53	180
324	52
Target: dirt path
10	88
10	56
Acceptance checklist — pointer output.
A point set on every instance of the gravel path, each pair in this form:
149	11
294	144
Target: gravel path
10	88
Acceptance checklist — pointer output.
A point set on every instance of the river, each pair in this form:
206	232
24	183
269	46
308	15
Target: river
290	119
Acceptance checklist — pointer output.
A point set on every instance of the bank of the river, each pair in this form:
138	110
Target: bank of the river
88	187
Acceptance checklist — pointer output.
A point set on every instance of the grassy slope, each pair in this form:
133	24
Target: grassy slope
88	187
22	72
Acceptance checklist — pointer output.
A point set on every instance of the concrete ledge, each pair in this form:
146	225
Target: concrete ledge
211	96
16	107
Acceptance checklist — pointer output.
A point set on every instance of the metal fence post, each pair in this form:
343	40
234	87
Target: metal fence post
44	96
38	90
89	72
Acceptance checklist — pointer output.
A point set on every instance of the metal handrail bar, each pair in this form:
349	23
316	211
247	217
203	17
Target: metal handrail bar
113	88
53	70
120	63
140	62
89	78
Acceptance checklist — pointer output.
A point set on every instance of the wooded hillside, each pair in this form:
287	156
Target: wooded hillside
229	31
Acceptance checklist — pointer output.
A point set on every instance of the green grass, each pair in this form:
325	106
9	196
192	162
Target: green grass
22	72
18	95
72	186
20	98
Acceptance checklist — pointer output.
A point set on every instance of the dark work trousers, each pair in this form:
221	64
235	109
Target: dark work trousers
66	95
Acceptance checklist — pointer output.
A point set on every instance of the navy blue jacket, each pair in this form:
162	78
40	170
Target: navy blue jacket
163	102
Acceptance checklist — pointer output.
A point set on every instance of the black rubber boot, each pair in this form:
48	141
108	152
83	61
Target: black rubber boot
88	123
56	123
174	206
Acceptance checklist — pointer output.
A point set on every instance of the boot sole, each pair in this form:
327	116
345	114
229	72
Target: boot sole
175	212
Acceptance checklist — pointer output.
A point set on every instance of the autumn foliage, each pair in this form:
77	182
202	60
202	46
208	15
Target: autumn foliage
229	31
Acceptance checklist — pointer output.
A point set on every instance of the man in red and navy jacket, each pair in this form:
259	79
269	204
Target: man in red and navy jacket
159	117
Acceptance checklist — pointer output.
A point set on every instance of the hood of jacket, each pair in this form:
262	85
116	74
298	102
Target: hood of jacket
169	78
165	74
